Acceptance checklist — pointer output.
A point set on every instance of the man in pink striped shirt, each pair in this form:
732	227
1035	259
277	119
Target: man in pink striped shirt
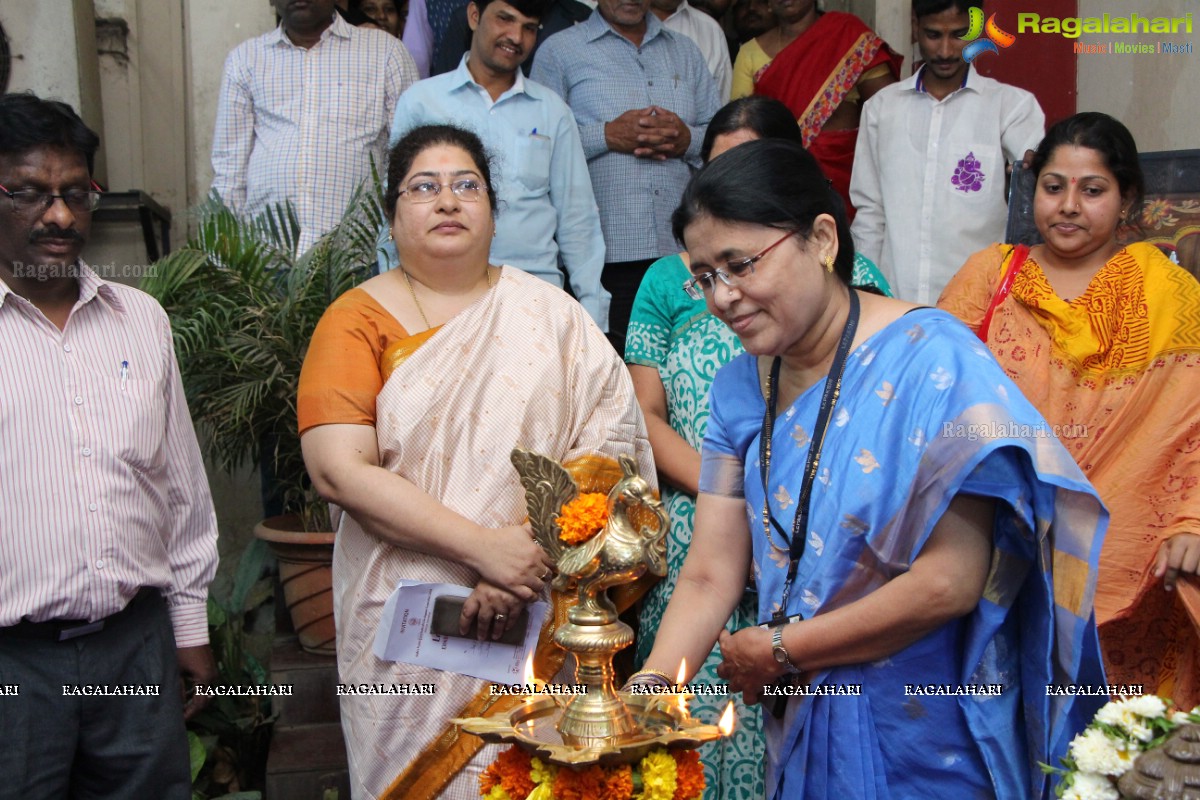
107	530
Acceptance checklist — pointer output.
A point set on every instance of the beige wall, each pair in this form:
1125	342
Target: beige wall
160	92
214	27
142	83
54	53
1154	95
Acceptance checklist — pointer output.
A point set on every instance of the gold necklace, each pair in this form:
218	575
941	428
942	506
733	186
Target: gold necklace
417	303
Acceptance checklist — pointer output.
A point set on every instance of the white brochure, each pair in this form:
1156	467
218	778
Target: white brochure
404	636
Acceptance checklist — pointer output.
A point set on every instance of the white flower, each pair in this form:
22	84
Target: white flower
1097	753
1134	727
1088	786
1146	706
1130	715
1109	713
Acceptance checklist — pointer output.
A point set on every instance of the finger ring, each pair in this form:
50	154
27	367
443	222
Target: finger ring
500	617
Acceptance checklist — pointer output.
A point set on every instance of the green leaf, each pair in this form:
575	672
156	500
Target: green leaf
216	615
197	753
256	670
249	570
243	308
259	593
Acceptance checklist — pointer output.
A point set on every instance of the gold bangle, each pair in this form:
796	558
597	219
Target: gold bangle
668	681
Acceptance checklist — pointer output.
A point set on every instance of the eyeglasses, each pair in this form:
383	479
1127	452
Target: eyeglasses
703	284
31	201
469	189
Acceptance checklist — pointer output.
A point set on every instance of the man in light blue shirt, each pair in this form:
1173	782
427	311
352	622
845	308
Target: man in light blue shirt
547	208
642	95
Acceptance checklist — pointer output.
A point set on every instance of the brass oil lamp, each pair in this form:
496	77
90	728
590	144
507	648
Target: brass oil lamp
601	726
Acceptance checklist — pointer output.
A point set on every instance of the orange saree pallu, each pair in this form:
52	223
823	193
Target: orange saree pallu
814	74
1117	372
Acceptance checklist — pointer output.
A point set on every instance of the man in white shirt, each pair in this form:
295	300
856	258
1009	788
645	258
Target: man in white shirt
706	32
930	165
303	111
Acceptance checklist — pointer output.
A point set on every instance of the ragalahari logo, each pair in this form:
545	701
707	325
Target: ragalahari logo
996	37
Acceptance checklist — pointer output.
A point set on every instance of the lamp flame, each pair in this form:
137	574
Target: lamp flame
726	723
529	679
679	678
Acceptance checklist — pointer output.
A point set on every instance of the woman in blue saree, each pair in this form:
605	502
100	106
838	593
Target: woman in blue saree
924	549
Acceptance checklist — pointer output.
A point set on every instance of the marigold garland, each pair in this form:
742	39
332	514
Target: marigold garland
661	775
658	776
579	784
540	772
510	772
619	784
689	774
582	518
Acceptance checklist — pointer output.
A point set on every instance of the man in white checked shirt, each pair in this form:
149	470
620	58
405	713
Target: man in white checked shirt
303	111
107	530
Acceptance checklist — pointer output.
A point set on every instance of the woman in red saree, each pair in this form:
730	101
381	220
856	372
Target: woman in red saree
823	66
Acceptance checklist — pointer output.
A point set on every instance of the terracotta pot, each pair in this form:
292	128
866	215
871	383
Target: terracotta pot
306	571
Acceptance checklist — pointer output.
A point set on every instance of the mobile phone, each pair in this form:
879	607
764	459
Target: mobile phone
447	610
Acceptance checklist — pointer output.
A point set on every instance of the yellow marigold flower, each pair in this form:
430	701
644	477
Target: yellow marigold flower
583	517
540	772
658	776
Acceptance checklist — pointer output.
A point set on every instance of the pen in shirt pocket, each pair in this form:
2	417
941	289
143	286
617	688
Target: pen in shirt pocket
536	135
124	373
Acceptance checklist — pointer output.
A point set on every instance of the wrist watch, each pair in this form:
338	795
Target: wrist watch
780	652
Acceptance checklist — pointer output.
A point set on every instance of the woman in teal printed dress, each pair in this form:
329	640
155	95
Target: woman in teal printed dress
924	550
674	348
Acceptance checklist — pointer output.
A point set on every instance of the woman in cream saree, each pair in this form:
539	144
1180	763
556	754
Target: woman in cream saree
435	497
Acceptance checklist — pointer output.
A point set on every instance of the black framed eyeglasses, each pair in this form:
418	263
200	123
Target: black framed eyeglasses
699	285
425	191
31	201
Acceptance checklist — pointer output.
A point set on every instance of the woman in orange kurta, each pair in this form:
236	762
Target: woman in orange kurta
1105	341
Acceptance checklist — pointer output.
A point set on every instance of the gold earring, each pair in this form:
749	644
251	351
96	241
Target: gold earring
829	264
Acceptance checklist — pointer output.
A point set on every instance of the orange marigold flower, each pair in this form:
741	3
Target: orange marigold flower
618	784
579	784
488	780
583	517
689	775
513	770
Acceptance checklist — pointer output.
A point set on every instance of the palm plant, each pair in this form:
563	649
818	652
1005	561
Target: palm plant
243	308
